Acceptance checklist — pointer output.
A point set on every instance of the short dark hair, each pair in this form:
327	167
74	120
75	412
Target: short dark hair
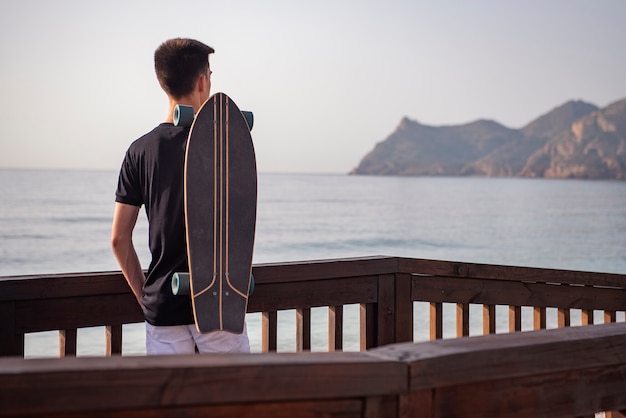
178	64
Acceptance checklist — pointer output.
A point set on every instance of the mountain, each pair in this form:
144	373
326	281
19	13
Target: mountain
558	119
593	147
574	140
410	150
511	159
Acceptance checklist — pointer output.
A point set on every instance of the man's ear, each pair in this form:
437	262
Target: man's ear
202	84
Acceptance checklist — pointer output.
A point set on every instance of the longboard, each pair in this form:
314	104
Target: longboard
220	210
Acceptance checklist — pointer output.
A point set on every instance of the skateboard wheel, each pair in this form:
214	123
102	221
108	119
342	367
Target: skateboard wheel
251	289
183	115
249	118
181	284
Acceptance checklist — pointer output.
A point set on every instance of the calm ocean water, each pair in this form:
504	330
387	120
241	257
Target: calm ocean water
59	222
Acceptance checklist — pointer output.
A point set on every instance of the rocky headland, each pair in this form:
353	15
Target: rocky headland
574	140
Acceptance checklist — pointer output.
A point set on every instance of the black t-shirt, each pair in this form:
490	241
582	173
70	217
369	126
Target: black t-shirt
152	175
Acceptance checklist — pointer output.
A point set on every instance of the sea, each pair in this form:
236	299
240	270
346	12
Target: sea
59	221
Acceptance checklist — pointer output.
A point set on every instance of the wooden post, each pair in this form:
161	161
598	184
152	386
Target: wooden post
11	342
489	319
113	340
269	332
539	317
436	320
515	318
368	326
303	329
67	342
335	328
386	310
563	318
462	320
404	308
610	316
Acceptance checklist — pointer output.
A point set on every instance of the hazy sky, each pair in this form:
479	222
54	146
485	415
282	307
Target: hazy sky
326	80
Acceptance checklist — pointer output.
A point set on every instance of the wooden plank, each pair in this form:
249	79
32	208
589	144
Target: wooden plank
404	308
511	273
563	318
380	407
416	404
335	328
323	269
539	318
269	332
283	296
27	287
460	361
436	321
113	383
79	284
519	374
343	408
609	316
113	340
515	318
67	342
386	310
368	326
480	291
303	329
11	340
462	320
543	395
489	319
50	286
78	312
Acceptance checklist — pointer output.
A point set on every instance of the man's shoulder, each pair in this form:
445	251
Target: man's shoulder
153	136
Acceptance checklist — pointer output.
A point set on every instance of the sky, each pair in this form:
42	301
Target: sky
326	80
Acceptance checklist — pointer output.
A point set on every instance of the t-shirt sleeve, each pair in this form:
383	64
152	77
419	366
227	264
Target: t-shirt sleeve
129	189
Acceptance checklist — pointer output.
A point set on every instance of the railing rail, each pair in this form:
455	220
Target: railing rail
508	375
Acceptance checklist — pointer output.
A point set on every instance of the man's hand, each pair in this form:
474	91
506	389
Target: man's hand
124	220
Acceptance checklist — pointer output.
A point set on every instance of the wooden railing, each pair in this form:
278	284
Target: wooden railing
385	288
451	377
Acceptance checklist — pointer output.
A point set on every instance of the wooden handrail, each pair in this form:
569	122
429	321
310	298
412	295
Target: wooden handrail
509	273
553	373
570	372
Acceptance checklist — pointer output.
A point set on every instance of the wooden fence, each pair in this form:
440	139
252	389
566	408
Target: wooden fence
573	371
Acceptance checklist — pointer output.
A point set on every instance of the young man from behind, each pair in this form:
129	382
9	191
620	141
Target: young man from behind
152	175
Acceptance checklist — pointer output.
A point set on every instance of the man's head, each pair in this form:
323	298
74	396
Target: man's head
179	63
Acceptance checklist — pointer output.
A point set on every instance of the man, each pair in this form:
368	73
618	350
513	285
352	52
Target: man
152	175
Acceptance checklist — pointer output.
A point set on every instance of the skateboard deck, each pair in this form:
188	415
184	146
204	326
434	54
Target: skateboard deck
220	210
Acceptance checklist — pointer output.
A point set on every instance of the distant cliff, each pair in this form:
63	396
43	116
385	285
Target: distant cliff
575	140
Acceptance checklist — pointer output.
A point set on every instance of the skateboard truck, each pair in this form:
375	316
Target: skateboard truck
181	284
184	116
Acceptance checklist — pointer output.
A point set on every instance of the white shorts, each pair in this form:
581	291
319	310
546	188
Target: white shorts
183	339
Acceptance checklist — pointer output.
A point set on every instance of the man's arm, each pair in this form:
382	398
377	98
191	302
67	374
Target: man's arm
124	220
